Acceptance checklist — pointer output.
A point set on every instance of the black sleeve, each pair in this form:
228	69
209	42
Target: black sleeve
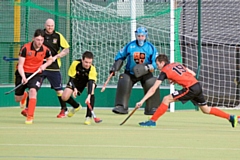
90	86
22	52
162	76
72	82
48	53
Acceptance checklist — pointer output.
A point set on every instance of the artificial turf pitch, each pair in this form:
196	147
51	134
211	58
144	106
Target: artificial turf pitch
182	135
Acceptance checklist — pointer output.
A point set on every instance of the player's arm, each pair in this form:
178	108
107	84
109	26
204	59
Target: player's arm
49	60
153	59
150	92
119	58
72	73
63	53
64	45
91	83
21	61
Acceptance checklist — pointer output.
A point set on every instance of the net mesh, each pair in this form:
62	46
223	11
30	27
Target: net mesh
219	47
101	26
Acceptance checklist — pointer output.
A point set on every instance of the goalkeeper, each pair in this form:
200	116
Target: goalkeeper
140	55
192	90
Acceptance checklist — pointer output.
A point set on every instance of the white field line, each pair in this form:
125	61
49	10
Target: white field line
122	146
126	128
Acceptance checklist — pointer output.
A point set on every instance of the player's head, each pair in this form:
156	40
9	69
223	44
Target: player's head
141	35
161	61
87	59
49	26
38	38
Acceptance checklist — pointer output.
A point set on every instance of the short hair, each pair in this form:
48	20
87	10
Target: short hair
162	57
39	32
87	54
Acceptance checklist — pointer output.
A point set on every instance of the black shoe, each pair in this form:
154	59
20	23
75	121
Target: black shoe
120	110
150	112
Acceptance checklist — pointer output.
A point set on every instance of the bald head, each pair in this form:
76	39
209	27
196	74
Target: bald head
49	26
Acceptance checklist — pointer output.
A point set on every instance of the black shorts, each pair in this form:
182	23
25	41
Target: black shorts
193	93
80	85
34	82
55	79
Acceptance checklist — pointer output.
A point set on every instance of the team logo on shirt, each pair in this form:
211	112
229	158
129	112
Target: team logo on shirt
54	40
139	57
29	53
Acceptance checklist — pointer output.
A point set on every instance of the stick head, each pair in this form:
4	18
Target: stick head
7	93
97	120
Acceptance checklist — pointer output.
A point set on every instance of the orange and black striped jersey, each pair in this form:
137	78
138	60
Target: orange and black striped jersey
33	59
177	73
77	72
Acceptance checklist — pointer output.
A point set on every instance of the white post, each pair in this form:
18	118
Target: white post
133	19
172	49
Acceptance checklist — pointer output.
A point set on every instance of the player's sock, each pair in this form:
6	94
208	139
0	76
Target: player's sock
27	102
159	112
219	113
25	95
62	103
92	100
23	100
31	107
72	102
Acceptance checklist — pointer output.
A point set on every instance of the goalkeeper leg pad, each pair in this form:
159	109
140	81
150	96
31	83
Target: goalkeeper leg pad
153	102
124	88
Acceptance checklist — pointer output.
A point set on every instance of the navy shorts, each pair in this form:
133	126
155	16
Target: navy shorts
193	93
34	82
55	79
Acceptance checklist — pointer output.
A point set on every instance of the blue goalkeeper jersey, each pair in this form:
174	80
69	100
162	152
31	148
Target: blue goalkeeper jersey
137	55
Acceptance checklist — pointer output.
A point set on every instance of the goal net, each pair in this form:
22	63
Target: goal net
219	72
105	29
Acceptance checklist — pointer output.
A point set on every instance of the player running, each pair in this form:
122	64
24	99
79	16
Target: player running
192	90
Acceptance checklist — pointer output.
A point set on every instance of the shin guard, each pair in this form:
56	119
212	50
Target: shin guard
124	88
153	102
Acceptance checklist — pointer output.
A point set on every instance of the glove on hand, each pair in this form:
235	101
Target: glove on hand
112	70
149	67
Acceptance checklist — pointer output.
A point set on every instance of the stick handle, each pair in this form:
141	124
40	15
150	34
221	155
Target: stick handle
105	84
22	83
9	59
129	116
90	107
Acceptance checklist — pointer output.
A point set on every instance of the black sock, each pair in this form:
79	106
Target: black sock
62	103
72	102
27	101
92	101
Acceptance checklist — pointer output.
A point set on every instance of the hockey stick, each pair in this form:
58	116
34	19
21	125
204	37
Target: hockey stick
129	116
97	120
22	83
9	59
105	84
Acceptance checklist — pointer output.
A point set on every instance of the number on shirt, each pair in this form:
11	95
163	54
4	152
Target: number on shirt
179	69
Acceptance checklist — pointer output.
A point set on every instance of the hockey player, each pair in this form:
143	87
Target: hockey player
140	55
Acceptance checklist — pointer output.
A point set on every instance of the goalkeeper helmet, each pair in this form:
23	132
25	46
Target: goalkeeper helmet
141	31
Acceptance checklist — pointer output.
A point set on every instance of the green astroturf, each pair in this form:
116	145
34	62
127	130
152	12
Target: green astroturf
182	135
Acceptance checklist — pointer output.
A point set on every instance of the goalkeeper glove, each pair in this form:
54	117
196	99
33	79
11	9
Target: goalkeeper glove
149	67
112	70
